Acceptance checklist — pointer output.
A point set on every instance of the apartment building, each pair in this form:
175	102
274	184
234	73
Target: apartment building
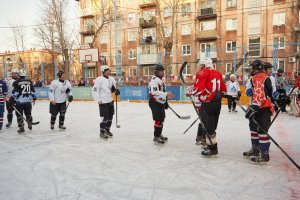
231	32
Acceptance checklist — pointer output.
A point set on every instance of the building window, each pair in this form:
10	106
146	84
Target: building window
278	19
88	39
254	24
228	68
91	72
254	3
187	70
279	42
103	38
230	46
254	46
149	49
148	71
132	71
186	29
167	12
208	50
208	25
131	17
167	31
131	35
186	9
231	24
149	32
281	64
132	54
186	49
148	14
231	3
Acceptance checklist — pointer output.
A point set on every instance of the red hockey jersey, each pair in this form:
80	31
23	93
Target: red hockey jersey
208	82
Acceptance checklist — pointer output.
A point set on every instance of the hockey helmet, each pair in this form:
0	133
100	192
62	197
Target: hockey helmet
22	72
257	65
104	68
60	73
14	70
232	76
205	61
159	67
280	70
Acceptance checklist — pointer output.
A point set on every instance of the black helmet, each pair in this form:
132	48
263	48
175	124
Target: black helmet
267	65
60	73
159	67
257	65
280	70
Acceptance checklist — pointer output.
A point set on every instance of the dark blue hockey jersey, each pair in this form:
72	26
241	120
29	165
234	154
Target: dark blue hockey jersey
23	91
3	92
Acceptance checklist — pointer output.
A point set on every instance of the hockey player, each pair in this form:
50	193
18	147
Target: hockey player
102	91
260	110
9	108
209	87
233	89
280	84
3	93
158	102
60	91
23	95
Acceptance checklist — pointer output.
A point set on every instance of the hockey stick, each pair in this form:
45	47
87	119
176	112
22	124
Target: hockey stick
32	123
265	132
180	117
197	111
190	126
117	125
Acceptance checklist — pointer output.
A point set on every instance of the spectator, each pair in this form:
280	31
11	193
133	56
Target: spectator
81	83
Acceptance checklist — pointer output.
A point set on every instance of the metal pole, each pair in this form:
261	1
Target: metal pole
244	65
234	61
118	56
85	73
43	73
55	69
5	70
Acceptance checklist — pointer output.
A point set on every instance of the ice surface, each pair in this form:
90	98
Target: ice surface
77	164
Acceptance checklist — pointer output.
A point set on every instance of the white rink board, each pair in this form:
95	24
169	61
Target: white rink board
76	164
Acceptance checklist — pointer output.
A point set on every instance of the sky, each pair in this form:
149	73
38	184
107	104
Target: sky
26	12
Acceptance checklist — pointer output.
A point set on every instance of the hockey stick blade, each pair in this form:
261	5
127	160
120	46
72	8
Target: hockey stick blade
181	70
118	126
35	123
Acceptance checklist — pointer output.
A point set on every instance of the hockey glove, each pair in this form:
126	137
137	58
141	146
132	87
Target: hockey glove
166	105
249	92
283	100
117	92
239	95
70	98
68	90
251	111
12	101
113	89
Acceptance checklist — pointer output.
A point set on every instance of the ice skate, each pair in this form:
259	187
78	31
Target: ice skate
8	125
158	140
163	138
262	158
254	151
62	127
103	135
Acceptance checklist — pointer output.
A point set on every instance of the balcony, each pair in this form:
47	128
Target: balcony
148	40
87	30
207	54
147	59
146	3
207	35
206	13
147	23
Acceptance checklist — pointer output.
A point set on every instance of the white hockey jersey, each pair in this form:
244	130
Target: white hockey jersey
232	88
10	87
273	83
58	91
157	90
102	89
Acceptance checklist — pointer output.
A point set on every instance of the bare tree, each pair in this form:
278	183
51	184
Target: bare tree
53	32
167	27
18	38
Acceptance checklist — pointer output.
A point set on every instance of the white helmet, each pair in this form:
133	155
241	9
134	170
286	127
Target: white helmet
22	72
205	61
232	76
104	67
14	70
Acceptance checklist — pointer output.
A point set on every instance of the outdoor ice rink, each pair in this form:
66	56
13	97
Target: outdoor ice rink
77	164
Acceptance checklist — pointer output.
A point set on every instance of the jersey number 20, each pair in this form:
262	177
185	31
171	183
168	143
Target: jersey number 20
25	89
215	82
